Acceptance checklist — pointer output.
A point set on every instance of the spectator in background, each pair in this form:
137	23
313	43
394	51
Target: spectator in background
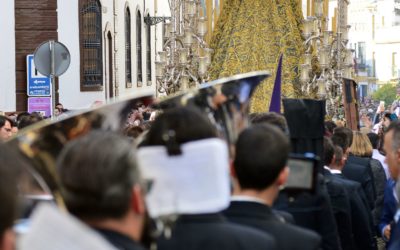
329	127
14	128
28	120
362	147
374	139
5	128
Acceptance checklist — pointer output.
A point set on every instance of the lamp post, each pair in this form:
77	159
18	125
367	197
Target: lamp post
335	60
183	63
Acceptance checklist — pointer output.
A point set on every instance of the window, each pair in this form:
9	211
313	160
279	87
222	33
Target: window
90	38
128	53
361	54
139	49
148	53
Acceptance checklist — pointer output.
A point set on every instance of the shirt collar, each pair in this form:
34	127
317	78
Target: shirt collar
247	198
333	171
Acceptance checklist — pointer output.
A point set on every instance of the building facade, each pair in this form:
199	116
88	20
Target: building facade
112	48
374	36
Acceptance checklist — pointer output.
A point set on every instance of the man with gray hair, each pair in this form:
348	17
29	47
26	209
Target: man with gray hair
101	186
392	149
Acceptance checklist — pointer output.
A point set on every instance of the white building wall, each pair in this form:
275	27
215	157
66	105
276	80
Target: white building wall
113	20
69	83
387	43
7	56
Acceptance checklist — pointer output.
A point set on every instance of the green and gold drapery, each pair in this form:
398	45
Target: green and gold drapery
250	35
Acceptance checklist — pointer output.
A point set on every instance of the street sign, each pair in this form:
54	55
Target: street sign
52	54
40	104
37	84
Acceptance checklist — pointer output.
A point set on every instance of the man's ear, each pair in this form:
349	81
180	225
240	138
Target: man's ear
283	176
333	161
137	200
7	240
232	169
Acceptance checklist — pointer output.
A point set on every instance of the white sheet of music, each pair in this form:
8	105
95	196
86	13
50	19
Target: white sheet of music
50	229
195	182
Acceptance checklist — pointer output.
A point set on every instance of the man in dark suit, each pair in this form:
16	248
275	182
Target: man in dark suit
259	171
311	211
360	216
392	149
356	169
189	142
339	199
101	186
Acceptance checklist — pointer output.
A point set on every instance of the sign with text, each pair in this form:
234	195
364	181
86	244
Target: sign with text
41	105
37	84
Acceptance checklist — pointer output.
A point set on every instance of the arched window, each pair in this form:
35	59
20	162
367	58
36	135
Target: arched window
128	55
90	38
148	53
139	49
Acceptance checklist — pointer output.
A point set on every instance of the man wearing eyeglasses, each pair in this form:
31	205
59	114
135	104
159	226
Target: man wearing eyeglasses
5	128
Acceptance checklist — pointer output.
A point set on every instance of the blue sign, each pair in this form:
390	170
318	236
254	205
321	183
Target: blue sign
38	84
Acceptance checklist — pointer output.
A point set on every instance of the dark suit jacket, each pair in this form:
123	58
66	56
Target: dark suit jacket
313	211
284	216
120	241
395	237
380	182
362	224
260	216
389	205
342	210
358	169
213	232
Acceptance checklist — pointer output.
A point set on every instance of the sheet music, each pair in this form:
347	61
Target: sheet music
192	183
52	230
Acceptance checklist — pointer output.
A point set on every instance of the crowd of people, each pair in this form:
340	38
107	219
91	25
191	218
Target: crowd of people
181	186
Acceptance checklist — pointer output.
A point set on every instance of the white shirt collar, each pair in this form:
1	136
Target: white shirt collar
333	171
247	198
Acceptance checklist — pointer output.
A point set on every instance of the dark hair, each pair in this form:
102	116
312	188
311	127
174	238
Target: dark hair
97	173
330	126
374	139
3	120
271	118
29	120
262	152
338	154
345	133
329	151
133	131
8	188
177	126
340	139
20	115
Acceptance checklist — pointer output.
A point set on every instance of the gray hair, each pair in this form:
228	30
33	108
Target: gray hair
97	173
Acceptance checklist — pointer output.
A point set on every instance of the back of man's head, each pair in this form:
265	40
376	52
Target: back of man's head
329	151
262	152
394	127
97	173
340	139
29	120
345	133
270	118
374	139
